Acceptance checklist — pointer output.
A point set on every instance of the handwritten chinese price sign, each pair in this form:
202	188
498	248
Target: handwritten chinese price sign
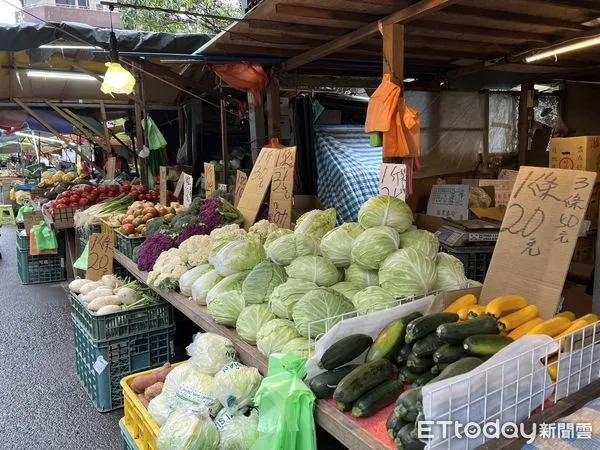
449	201
282	187
257	186
240	184
100	257
392	180
211	179
538	236
188	185
163	185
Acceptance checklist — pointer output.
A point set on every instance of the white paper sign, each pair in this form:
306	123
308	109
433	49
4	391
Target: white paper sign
392	180
188	184
449	201
179	186
100	365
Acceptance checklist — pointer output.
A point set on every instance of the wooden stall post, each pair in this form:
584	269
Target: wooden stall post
393	52
524	123
224	144
256	117
274	108
139	131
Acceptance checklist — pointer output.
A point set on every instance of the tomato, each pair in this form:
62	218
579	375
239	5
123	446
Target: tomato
143	190
83	201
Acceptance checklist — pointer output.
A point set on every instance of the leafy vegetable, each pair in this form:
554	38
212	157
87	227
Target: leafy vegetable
288	247
360	277
284	297
346	288
384	210
238	256
407	272
226	307
218	211
371	248
239	432
315	269
251	319
317	305
336	245
232	283
209	352
187	429
261	281
371	297
188	279
421	240
263	228
276	235
298	345
203	285
235	385
273	336
151	249
316	223
191	230
450	273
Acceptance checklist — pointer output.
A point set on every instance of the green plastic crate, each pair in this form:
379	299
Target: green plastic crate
100	366
128	441
126	244
20	225
121	324
41	268
22	241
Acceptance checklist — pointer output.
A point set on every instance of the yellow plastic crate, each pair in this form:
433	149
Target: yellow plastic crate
142	428
105	228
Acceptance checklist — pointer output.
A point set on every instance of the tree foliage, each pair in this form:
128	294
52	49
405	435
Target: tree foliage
144	20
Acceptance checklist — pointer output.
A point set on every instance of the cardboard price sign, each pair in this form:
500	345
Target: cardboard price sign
210	179
110	166
258	183
240	184
163	185
449	201
188	184
100	258
179	185
282	187
32	218
392	180
538	236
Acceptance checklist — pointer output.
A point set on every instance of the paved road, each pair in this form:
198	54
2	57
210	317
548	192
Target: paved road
42	405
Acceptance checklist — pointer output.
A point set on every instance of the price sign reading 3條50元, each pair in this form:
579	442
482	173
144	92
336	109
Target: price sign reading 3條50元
282	187
538	236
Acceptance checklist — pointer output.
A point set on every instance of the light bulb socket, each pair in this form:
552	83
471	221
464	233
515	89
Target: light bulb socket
114	50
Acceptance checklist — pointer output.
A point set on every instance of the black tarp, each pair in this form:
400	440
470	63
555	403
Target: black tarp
28	36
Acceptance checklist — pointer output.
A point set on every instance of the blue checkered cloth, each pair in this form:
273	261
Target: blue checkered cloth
347	168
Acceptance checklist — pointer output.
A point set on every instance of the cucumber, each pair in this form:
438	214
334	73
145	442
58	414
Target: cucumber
377	398
390	339
343	407
362	379
437	369
459	367
448	353
419	365
456	333
485	345
423	379
344	351
410	403
422	326
406	441
325	383
426	346
406	376
403	353
394	423
407	415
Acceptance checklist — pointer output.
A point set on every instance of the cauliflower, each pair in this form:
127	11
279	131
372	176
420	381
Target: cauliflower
228	230
263	228
195	250
168	269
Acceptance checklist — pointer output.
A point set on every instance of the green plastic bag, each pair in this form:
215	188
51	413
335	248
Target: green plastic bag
45	237
82	261
23	209
286	406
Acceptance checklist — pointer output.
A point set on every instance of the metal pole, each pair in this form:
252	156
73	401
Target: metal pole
224	148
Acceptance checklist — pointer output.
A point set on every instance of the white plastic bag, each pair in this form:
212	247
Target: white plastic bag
188	429
235	385
210	352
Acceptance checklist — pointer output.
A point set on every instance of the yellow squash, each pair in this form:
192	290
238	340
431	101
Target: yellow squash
525	328
591	318
553	368
518	318
504	305
568	314
460	303
476	311
463	313
552	327
577	325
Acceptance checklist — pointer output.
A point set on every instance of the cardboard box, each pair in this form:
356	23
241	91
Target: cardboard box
576	153
305	203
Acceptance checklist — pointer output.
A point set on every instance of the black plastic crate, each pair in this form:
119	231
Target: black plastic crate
476	260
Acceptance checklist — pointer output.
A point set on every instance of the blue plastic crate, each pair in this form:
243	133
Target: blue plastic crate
476	260
128	441
40	268
100	366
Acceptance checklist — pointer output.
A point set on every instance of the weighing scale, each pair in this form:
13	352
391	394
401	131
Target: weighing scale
468	233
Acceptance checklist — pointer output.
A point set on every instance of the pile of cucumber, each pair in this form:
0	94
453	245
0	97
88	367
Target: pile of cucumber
414	350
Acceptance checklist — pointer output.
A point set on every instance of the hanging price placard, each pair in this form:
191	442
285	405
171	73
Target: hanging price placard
100	257
163	185
240	184
282	187
188	184
210	179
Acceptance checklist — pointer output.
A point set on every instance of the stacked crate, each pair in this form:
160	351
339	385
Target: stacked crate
40	268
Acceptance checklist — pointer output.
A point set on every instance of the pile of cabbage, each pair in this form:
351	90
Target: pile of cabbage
207	402
272	285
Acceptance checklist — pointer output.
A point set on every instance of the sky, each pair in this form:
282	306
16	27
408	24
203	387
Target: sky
7	12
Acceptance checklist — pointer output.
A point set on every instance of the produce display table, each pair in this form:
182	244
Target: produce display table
340	426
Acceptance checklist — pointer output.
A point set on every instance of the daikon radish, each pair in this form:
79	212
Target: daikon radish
108	309
97	293
127	296
76	285
98	303
89	287
110	280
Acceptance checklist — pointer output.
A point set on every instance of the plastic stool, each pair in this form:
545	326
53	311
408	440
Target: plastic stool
7	214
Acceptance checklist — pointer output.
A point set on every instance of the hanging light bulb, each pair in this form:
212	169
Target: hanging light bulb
117	79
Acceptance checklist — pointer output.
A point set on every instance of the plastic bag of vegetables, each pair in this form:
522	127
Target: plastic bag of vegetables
203	285
336	245
273	336
188	279
317	305
238	431
261	281
315	269
288	247
238	256
284	297
251	319
188	429
235	385
316	223
210	352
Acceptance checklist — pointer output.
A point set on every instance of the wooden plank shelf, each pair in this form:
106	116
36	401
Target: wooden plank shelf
347	432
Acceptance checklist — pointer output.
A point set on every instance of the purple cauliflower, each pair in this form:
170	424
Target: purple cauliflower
191	230
151	249
217	211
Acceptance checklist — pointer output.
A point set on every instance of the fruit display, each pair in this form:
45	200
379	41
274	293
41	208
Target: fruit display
50	179
133	222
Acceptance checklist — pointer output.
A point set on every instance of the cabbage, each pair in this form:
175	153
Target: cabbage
336	245
210	352
235	385
319	304
371	297
360	277
261	281
285	296
298	345
197	390
203	285
421	240
187	429
289	247
251	319
371	248
225	308
221	241
275	235
187	279
407	272
315	223
160	408
450	273
472	283
232	283
238	432
273	336
238	256
346	288
384	210
314	268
